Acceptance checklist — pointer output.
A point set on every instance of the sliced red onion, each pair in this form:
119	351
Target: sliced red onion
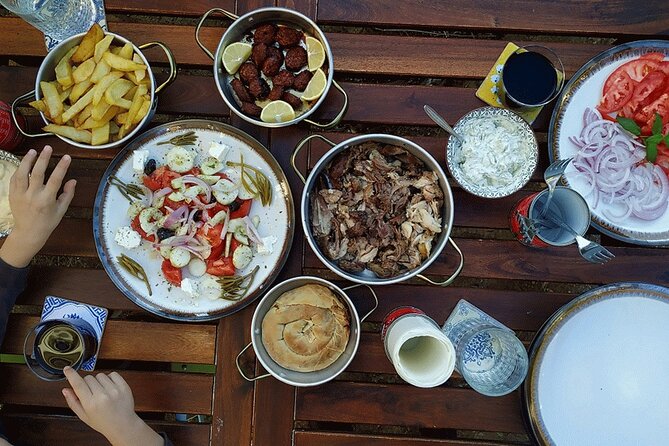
191	179
160	194
176	216
251	231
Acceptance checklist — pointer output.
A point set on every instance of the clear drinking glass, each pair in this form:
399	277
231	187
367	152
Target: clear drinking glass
492	360
59	19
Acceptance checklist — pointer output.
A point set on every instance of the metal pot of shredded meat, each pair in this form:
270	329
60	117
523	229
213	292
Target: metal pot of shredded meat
273	67
377	209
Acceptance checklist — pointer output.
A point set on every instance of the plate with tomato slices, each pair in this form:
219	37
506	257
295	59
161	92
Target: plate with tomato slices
613	118
193	220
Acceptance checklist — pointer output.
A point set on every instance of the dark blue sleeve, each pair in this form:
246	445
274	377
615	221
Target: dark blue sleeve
12	283
167	440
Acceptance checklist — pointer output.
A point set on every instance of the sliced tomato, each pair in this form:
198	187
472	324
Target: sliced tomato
213	235
221	267
662	158
650	88
658	57
216	252
637	70
193	171
151	183
134	224
616	93
174	205
216	209
171	273
243	209
162	177
664	67
646	115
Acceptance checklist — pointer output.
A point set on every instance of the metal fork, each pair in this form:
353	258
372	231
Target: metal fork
527	227
591	251
551	177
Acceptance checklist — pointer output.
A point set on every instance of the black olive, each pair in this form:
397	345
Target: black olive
164	233
234	206
150	166
197	216
212	199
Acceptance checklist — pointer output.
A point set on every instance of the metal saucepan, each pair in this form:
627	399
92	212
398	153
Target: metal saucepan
303	379
47	73
238	29
368	277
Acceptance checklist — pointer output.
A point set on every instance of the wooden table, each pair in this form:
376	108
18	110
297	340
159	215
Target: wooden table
391	58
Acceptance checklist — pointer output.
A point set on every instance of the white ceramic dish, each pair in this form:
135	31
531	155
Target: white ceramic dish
598	369
7	157
584	90
111	207
521	178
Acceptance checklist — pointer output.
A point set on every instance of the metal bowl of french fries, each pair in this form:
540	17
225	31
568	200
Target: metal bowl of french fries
95	90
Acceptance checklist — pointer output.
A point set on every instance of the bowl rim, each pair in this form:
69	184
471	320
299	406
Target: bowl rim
53	55
489	192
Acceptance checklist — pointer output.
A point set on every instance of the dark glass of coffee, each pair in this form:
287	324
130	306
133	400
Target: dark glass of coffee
55	344
532	76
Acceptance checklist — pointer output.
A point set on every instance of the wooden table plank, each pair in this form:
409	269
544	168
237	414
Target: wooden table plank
162	7
591	17
135	341
307	438
54	430
401	405
153	391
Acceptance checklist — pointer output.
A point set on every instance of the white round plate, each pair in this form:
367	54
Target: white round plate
584	90
598	369
110	213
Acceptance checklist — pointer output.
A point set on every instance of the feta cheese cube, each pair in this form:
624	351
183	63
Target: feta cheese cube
218	150
127	237
190	287
267	246
139	159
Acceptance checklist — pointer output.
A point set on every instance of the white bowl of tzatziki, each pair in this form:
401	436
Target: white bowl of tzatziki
498	155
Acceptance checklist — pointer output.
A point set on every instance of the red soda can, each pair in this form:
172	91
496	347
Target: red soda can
10	136
522	233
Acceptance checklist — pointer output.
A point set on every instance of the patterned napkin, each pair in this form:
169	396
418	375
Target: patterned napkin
491	89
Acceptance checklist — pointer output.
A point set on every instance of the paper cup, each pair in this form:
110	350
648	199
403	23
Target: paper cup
421	353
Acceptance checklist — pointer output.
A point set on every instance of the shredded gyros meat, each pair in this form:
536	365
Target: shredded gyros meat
376	207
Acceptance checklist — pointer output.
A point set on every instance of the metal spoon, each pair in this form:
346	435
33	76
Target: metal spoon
441	122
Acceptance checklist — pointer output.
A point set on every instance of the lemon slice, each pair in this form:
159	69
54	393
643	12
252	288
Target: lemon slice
315	53
315	87
235	55
277	111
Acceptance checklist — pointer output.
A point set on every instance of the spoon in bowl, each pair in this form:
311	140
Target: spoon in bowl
441	122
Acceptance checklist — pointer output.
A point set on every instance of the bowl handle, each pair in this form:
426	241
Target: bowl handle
339	116
454	275
376	299
241	372
17	101
170	59
297	150
199	25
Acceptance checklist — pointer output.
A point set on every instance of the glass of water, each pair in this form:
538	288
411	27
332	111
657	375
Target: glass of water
491	359
59	19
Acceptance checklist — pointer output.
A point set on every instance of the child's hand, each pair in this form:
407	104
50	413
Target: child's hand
105	403
36	206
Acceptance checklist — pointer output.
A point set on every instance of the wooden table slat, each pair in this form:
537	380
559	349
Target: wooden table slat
309	438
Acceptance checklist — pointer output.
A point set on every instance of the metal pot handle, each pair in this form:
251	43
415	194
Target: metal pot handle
199	25
297	150
454	275
339	116
17	101
241	372
376	299
170	59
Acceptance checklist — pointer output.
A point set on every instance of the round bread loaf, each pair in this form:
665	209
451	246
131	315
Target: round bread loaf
306	329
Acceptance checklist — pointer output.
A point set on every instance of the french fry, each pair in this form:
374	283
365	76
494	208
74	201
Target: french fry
52	99
79	105
113	128
69	132
100	109
126	51
114	94
121	118
83	71
143	111
139	74
100	135
64	69
94	123
137	101
86	48
83	115
64	94
104	83
38	105
101	70
119	63
115	50
79	89
121	133
102	47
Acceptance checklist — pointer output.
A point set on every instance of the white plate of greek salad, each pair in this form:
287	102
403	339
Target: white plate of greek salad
613	119
193	220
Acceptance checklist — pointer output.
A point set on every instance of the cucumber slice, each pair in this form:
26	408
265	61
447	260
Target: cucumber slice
238	229
179	257
211	166
209	179
242	257
197	267
180	159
